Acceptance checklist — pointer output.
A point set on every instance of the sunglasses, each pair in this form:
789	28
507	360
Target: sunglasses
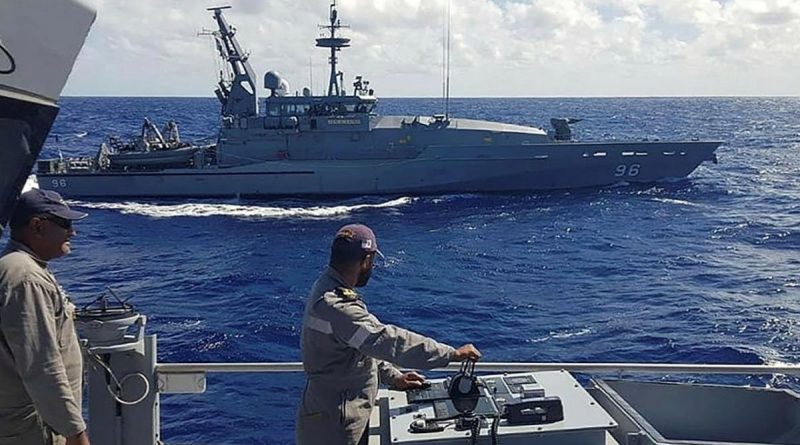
65	224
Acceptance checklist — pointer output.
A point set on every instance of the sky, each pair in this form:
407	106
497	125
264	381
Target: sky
499	48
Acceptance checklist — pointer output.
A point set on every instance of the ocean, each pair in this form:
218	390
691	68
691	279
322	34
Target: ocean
701	270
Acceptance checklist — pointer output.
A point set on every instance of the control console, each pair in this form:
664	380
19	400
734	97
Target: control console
539	408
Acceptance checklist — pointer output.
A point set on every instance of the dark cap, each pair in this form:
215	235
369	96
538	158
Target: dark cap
357	237
36	202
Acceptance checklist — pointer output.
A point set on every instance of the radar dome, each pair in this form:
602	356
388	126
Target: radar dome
275	83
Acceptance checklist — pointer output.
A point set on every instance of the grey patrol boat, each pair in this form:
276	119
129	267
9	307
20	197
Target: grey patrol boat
336	144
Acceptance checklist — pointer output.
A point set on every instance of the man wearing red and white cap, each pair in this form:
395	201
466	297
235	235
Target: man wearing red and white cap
346	349
40	359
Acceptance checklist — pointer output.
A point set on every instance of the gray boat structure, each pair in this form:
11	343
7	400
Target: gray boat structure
512	403
336	144
150	149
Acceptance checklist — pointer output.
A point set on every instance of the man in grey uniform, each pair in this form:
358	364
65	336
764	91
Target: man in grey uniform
40	358
346	349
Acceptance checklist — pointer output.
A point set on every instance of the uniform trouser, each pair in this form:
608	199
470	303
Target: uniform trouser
37	434
330	413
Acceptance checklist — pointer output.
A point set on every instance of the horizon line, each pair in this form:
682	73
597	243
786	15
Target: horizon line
464	97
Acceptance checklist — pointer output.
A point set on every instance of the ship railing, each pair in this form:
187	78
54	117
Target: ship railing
617	368
124	391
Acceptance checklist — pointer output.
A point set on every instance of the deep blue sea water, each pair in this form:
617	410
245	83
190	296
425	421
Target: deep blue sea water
703	270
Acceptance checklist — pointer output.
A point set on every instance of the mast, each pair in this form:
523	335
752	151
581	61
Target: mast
446	61
237	94
335	44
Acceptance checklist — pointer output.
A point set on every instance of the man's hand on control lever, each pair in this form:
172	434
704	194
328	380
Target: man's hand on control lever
409	380
467	352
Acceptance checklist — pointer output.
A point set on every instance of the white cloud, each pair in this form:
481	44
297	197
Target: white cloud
499	47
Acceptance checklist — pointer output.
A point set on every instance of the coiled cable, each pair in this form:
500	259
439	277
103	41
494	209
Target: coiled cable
117	394
13	63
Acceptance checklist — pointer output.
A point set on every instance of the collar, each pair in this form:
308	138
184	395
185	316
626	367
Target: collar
16	246
337	277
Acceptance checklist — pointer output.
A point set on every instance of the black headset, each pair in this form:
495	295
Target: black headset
464	389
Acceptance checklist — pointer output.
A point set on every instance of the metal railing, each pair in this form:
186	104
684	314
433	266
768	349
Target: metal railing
655	368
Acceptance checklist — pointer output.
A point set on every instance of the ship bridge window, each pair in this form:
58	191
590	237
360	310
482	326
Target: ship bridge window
352	108
275	110
297	109
344	109
322	110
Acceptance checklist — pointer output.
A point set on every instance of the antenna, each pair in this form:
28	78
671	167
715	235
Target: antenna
335	44
310	76
446	61
444	56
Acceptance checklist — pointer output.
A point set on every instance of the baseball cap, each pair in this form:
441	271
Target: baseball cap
358	237
36	202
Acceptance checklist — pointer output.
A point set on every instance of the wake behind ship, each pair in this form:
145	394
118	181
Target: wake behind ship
336	144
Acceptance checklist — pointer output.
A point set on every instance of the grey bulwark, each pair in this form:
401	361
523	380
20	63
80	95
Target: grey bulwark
24	125
31	83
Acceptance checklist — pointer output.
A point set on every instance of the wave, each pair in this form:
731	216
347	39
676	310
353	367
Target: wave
675	201
236	210
454	197
561	335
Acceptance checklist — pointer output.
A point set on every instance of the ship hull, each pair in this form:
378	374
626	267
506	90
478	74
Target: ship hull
435	170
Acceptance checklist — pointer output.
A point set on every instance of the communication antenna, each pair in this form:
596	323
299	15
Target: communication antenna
310	76
446	60
335	44
444	55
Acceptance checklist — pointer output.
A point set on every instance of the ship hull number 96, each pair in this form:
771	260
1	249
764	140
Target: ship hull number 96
623	170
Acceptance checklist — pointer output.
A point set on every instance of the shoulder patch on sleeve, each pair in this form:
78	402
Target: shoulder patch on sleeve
346	293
